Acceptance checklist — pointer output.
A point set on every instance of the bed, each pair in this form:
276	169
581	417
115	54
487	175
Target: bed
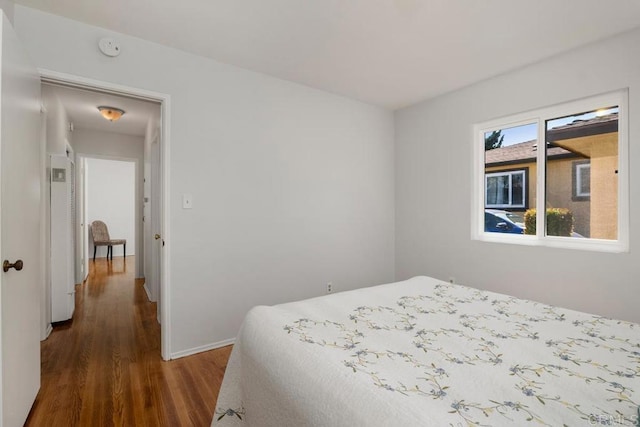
423	352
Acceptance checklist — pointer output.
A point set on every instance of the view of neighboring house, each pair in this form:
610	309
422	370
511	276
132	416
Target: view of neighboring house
579	154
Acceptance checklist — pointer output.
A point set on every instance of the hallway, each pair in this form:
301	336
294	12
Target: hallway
104	366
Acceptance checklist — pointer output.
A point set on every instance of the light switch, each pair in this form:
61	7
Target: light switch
187	201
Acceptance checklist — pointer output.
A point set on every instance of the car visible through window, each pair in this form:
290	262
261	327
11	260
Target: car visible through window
499	221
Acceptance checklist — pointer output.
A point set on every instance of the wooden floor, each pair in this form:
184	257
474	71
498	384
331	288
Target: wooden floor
104	368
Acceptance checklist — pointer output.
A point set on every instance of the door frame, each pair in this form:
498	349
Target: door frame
164	100
138	224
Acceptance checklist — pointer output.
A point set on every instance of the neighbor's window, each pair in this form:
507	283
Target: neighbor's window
570	159
505	189
581	180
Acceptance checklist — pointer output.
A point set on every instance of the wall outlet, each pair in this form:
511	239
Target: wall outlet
452	280
329	287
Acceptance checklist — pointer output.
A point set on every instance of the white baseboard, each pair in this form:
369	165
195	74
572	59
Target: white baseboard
47	332
202	348
148	292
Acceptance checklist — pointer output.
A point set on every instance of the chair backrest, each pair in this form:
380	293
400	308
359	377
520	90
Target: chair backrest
99	231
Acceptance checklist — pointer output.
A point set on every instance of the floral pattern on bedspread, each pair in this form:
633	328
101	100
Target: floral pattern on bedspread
454	344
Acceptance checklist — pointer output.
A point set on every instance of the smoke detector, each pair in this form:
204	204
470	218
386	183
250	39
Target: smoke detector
109	46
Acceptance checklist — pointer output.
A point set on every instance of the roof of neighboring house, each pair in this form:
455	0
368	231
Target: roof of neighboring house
579	128
519	153
526	151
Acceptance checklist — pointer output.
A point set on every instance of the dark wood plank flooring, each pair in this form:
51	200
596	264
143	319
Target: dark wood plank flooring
104	368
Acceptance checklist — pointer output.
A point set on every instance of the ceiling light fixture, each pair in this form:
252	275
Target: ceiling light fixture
111	113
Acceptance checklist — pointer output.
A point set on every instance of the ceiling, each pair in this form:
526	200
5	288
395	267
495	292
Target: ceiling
391	53
82	108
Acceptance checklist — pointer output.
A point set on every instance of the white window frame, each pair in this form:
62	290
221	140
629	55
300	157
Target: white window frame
579	169
539	116
510	174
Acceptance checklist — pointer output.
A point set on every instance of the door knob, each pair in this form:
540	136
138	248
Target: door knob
157	236
6	265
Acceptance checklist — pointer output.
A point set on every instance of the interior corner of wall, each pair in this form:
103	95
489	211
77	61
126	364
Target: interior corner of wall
7	8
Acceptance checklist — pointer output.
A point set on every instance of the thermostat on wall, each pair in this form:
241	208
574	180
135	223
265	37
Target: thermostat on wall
109	46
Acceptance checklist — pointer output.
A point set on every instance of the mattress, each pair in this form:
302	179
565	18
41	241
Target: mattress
423	352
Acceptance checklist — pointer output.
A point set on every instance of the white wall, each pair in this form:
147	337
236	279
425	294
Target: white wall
116	146
292	187
111	191
433	186
7	7
56	135
108	144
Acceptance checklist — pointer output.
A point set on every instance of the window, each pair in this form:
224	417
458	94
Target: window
569	158
581	181
505	189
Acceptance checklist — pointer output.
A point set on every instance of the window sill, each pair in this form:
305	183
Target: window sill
576	243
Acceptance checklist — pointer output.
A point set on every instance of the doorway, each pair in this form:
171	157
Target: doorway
110	198
96	148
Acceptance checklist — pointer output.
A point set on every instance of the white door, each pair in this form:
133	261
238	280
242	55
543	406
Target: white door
20	229
81	242
84	227
156	224
146	223
85	208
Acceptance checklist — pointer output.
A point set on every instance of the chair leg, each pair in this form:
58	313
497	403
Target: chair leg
124	246
94	253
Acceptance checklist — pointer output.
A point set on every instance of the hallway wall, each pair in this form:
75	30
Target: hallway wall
7	8
111	194
117	146
56	136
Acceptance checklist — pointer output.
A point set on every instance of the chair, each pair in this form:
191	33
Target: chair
101	237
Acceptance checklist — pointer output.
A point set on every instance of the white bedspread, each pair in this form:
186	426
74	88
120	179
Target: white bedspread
426	353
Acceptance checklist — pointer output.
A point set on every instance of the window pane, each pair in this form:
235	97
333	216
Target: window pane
510	170
517	189
582	180
492	190
498	190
